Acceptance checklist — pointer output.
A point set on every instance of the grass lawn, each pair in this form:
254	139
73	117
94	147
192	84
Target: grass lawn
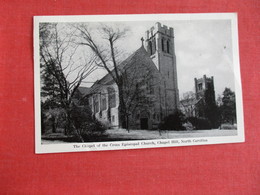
124	135
168	134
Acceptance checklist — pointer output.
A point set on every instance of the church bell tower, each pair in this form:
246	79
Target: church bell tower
159	43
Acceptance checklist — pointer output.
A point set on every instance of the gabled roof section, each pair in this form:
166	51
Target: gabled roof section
84	90
139	54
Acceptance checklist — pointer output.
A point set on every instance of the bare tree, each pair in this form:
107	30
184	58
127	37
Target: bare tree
107	57
135	83
62	64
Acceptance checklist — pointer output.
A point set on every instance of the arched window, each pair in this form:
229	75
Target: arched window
162	44
168	46
103	102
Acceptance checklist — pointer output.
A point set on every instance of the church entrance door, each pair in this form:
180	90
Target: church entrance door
144	123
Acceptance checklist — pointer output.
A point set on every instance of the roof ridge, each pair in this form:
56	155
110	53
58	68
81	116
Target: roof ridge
121	64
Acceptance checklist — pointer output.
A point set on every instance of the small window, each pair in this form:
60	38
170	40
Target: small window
200	86
113	118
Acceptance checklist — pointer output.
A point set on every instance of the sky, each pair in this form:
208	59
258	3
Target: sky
201	47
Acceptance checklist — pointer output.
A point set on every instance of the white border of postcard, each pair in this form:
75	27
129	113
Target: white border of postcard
118	145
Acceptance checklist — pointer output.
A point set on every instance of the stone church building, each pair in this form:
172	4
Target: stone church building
150	84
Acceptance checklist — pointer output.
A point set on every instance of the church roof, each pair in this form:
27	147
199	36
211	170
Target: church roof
84	90
138	55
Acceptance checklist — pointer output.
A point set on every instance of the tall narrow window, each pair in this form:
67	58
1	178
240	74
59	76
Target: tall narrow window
200	86
112	97
96	103
137	90
147	88
90	103
168	46
162	44
151	47
103	102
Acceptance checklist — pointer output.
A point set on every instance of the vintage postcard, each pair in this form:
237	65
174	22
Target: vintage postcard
110	82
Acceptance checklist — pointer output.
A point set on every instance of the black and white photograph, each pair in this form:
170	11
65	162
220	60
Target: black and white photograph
109	82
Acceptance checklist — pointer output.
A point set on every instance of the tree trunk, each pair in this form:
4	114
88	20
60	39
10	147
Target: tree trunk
127	123
70	123
53	124
78	133
121	108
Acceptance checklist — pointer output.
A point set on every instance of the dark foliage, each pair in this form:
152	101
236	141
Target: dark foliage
53	119
211	109
173	122
208	109
200	123
228	107
58	63
84	122
43	119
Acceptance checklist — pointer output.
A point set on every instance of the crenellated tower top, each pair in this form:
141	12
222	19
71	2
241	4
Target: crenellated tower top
159	43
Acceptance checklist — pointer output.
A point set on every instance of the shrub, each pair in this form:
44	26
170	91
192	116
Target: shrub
227	126
188	126
85	123
200	123
52	120
173	122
